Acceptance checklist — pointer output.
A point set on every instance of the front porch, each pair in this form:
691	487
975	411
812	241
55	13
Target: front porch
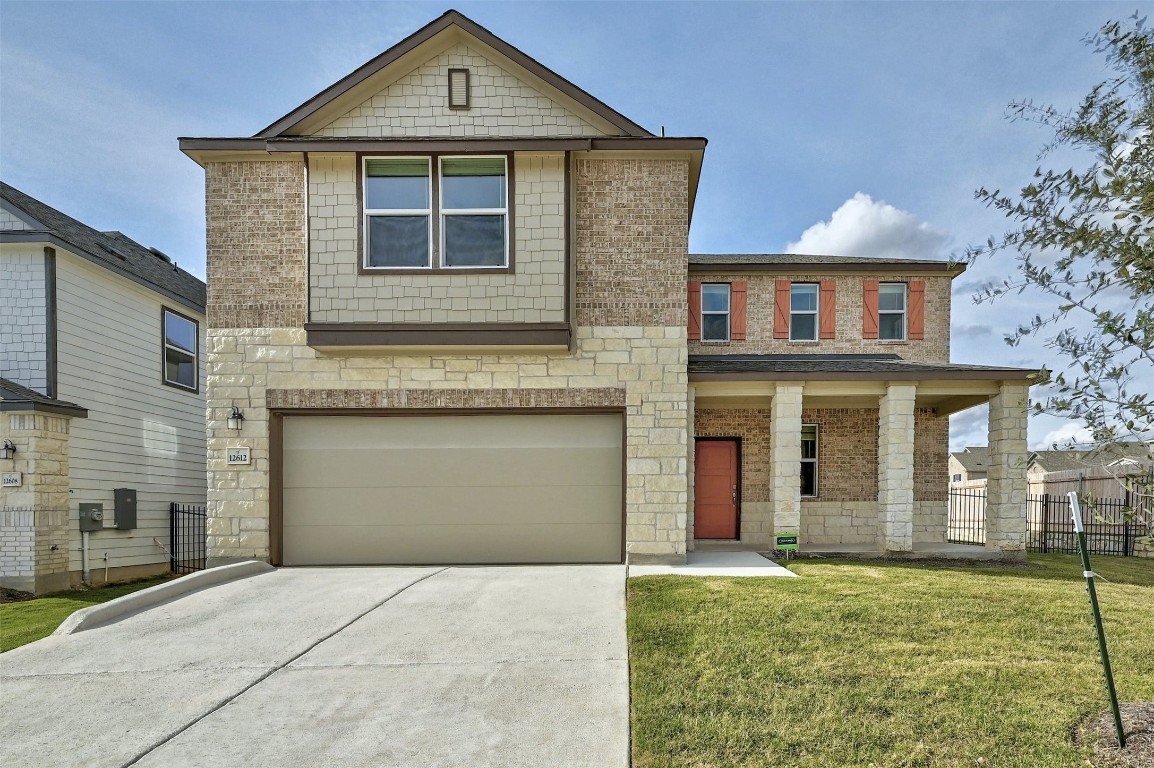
851	460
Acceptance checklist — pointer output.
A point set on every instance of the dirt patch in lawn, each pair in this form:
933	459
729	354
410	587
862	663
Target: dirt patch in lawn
1098	732
15	596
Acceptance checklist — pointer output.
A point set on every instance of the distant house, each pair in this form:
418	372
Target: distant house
968	467
101	388
1047	470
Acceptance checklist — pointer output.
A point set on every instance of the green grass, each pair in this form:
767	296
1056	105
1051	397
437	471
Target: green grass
21	623
881	664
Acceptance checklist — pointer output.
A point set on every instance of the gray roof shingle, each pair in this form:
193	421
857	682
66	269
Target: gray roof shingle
114	250
13	396
843	364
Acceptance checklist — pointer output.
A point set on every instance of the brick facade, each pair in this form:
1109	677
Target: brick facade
934	348
632	223
256	245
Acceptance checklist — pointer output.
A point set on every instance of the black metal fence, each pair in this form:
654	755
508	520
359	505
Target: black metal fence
188	537
1049	528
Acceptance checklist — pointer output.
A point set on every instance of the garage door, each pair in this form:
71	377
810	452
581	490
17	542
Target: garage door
452	489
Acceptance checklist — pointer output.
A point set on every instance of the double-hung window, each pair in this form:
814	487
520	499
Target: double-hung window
715	312
892	311
436	212
803	312
181	366
809	460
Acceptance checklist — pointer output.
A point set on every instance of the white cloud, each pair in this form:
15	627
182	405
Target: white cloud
1064	435
865	227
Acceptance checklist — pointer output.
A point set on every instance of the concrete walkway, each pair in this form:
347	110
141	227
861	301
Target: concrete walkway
716	563
518	666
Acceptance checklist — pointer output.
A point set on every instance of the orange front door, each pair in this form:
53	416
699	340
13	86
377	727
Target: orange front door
715	490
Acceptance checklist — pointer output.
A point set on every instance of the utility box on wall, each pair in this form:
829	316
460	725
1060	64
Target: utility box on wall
91	517
125	500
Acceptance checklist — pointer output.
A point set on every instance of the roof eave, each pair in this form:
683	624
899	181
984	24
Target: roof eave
952	269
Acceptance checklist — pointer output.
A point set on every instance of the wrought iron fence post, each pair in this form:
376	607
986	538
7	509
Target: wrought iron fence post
172	536
1045	522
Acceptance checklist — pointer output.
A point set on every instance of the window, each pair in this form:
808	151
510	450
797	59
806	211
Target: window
803	312
957	478
809	459
715	312
892	311
456	217
181	368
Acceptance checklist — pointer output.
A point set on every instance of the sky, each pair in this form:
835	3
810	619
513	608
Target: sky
858	128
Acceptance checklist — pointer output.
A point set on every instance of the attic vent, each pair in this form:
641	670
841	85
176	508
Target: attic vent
458	89
160	254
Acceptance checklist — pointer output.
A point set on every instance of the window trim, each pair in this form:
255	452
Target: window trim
816	457
443	212
816	311
435	267
164	346
904	312
728	315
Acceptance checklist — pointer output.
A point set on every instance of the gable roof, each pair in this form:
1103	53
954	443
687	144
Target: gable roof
114	251
449	20
973	459
804	262
1064	461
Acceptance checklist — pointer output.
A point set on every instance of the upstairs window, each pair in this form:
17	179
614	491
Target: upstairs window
715	312
181	350
809	460
436	213
892	311
803	312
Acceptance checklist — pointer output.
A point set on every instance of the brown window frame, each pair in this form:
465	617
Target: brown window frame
435	267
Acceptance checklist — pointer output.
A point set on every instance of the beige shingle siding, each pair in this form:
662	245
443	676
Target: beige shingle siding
11	222
533	293
935	347
501	104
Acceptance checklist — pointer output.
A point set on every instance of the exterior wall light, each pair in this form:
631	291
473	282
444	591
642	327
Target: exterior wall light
8	450
235	419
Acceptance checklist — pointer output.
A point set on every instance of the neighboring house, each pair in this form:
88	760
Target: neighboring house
967	467
101	388
1052	471
453	300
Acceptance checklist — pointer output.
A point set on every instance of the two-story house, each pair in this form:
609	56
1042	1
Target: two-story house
453	318
101	399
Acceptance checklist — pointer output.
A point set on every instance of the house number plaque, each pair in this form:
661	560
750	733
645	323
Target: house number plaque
12	480
239	455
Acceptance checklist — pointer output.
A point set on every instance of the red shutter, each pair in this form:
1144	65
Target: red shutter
737	310
828	309
694	310
781	310
869	321
917	329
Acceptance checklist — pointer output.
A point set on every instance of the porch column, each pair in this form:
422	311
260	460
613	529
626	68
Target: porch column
896	468
785	464
1006	474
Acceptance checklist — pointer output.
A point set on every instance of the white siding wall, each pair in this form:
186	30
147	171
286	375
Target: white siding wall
139	433
23	338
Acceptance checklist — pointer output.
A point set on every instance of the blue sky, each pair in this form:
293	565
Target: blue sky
853	128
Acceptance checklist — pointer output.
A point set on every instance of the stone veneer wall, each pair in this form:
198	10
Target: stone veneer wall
534	292
23	316
759	329
34	517
501	104
632	222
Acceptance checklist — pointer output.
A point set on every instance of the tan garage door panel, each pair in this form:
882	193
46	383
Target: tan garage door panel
452	489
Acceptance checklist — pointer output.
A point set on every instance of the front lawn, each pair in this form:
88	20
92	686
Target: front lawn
883	664
21	623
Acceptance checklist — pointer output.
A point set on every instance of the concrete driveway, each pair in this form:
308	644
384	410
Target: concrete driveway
512	666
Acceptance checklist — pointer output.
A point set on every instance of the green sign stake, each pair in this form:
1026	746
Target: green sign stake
1076	513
